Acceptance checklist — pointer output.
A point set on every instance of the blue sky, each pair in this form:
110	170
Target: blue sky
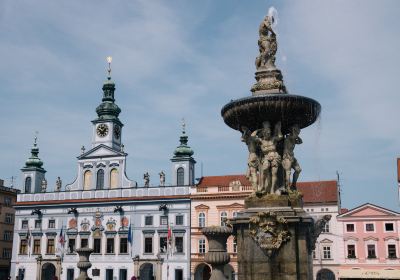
174	59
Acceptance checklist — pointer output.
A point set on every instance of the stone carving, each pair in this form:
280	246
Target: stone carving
288	160
269	231
72	224
98	218
146	178
162	178
271	159
124	223
85	225
317	229
111	224
58	184
253	161
43	185
84	263
267	43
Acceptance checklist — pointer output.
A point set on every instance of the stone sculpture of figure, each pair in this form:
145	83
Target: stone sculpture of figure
288	159
253	161
271	159
267	44
58	184
146	178
44	185
162	178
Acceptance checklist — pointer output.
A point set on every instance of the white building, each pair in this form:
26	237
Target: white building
99	208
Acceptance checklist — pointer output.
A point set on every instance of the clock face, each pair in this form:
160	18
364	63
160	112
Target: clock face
117	131
102	130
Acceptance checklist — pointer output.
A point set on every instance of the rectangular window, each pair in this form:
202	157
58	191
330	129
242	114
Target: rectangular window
178	274
179	244
109	274
24	225
6	253
148	245
7	236
179	220
371	251
326	228
110	245
97	245
163	244
148	220
7	201
70	274
123	274
350	227
23	247
163	220
50	246
52	224
389	227
326	252
202	246
38	224
369	227
392	251
36	247
123	245
84	243
9	219
71	245
351	251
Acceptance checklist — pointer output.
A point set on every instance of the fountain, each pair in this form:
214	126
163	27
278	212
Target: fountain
84	264
275	236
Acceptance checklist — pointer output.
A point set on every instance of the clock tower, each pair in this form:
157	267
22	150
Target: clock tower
107	128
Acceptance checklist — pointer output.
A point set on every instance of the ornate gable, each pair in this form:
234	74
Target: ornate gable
201	207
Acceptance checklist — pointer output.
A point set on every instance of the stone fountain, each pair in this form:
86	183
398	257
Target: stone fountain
275	236
84	264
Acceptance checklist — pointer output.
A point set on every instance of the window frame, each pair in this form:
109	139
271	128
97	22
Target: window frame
201	219
37	246
146	246
326	252
179	218
50	246
150	219
110	245
350	224
123	245
201	246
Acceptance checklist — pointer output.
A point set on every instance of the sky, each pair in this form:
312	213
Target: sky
187	59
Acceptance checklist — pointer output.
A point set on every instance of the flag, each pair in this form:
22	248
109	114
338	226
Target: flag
130	234
28	238
170	241
61	238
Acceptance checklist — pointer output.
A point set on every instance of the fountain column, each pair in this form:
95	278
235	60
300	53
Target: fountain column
84	264
275	236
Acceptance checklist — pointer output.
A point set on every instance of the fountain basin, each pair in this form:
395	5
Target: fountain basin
289	109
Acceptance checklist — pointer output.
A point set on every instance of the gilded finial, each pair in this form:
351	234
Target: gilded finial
109	60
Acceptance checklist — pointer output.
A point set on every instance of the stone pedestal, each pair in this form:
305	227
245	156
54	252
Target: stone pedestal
273	242
217	256
84	264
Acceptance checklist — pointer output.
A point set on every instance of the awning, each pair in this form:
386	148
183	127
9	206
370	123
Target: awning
370	273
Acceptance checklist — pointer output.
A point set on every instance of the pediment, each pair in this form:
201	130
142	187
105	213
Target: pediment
369	210
370	238
101	151
350	238
326	241
391	238
201	207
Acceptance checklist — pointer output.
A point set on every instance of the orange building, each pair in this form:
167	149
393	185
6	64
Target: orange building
217	198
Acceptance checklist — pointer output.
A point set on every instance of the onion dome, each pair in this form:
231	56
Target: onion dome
34	161
183	150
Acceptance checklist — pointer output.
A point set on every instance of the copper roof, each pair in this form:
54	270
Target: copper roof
314	192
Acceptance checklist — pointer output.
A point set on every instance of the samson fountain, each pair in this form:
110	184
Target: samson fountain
275	236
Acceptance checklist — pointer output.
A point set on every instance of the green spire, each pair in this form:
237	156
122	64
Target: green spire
183	150
34	161
108	110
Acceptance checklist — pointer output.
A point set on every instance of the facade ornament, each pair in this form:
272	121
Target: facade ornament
72	223
162	178
98	218
269	231
111	223
316	230
288	160
43	185
146	178
85	225
82	150
58	184
124	223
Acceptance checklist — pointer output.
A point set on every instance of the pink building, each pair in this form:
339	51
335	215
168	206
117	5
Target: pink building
371	246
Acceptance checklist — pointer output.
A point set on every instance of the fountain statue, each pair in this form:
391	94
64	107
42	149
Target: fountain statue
275	236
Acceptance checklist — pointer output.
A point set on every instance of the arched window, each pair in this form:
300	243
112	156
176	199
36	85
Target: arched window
87	180
114	178
100	180
180	176
28	184
223	216
202	219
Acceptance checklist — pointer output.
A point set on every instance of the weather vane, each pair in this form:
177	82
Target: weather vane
109	59
183	125
36	136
